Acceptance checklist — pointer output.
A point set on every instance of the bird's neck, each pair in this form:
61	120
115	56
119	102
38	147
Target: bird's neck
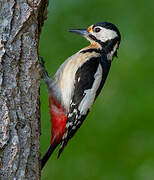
94	46
108	49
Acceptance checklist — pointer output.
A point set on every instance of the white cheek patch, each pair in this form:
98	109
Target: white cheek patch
105	35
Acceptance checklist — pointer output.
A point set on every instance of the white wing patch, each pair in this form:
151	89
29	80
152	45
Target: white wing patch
89	98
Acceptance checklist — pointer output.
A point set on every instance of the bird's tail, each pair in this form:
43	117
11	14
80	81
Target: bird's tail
45	74
47	155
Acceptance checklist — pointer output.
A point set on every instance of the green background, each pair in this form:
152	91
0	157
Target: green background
116	142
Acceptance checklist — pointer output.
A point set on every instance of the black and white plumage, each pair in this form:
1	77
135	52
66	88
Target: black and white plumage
89	80
81	77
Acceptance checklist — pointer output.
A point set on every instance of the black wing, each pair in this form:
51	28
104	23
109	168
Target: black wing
89	74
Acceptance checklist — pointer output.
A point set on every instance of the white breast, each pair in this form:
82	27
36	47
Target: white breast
65	77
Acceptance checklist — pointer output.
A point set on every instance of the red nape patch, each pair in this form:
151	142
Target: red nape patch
58	120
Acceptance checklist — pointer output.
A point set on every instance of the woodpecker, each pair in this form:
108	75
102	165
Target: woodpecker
78	82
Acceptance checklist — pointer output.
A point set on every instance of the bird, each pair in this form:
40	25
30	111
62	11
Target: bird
77	83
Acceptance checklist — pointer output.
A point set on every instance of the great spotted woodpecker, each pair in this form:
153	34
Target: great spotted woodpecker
78	82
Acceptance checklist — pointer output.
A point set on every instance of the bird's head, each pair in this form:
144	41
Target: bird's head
105	35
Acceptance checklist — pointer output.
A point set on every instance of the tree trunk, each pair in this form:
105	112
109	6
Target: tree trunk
20	26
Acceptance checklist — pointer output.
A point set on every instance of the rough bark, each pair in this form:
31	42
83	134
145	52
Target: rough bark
20	26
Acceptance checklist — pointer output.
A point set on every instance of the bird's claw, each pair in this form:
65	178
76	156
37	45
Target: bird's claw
44	71
42	61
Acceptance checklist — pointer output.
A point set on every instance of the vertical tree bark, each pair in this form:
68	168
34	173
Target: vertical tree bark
20	26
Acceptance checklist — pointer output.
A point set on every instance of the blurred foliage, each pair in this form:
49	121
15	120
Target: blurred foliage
116	142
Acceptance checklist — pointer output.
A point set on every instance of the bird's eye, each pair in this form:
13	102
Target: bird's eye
97	29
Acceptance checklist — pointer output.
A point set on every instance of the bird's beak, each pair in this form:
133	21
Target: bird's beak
82	32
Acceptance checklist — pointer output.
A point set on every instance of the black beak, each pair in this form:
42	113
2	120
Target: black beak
82	32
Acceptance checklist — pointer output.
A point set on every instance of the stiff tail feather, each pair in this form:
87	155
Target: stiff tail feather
47	155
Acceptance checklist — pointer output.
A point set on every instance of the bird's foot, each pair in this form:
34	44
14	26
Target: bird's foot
45	74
